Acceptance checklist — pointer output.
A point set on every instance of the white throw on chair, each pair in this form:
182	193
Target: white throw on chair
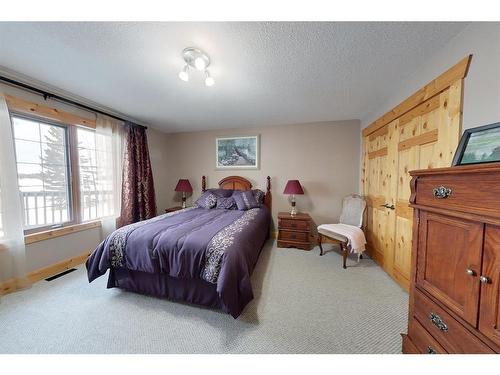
348	232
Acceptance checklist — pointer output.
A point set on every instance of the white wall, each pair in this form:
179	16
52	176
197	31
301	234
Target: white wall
161	162
482	84
324	156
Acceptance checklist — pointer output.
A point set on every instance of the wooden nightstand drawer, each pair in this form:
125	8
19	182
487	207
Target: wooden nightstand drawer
294	224
294	236
294	231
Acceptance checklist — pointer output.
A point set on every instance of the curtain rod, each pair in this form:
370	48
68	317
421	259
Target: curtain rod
47	95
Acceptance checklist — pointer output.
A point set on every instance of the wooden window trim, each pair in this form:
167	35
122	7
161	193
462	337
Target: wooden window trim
59	232
40	110
71	121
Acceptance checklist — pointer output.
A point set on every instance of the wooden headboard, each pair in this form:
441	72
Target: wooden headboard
240	183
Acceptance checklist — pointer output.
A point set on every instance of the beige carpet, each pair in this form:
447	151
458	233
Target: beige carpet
304	303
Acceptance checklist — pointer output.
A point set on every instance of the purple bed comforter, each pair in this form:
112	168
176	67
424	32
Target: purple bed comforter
220	247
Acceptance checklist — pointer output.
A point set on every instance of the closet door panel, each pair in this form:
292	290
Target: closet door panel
425	136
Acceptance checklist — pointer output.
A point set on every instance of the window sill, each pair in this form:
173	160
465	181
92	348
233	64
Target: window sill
59	232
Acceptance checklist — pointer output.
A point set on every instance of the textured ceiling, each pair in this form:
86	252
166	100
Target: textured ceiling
265	73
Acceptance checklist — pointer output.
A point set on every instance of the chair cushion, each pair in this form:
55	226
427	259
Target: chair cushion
351	234
329	231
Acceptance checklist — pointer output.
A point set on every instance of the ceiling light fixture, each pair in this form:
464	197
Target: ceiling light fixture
196	59
209	81
184	74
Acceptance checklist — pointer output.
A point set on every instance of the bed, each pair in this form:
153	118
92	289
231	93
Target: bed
196	255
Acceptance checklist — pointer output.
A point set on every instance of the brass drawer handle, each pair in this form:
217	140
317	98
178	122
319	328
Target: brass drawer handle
441	192
430	350
438	322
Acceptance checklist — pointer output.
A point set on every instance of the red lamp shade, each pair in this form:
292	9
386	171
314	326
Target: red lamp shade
293	187
184	186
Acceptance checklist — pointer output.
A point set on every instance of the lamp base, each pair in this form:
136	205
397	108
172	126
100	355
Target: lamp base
294	211
183	200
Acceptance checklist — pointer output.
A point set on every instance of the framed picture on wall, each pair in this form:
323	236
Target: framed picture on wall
479	145
237	152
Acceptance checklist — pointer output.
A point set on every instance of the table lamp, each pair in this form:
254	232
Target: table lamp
292	188
185	187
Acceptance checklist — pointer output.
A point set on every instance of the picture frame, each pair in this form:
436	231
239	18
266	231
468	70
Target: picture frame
237	152
479	145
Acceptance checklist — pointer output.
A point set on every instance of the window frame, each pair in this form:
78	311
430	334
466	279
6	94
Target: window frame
72	170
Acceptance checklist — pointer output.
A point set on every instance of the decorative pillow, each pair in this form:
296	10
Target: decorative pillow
245	200
222	193
207	200
259	196
226	203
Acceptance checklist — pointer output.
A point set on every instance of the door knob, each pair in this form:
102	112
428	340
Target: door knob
470	272
484	279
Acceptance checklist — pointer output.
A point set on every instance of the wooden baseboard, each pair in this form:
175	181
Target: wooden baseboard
12	285
401	279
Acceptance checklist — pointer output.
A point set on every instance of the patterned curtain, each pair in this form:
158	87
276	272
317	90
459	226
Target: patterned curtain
138	193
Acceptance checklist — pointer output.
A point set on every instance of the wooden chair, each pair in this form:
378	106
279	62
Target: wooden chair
351	221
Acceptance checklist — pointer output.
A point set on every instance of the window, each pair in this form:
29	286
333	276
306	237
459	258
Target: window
65	173
95	164
43	172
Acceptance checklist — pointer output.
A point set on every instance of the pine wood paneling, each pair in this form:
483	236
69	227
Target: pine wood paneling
24	106
421	132
455	73
12	285
49	234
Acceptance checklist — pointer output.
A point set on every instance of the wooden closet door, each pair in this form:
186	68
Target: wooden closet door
426	138
421	132
377	190
489	318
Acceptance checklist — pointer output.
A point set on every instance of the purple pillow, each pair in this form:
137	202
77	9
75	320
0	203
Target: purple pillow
207	200
259	196
222	193
245	200
226	203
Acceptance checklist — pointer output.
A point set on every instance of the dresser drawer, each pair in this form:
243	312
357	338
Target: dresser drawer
423	341
294	224
476	193
452	336
293	236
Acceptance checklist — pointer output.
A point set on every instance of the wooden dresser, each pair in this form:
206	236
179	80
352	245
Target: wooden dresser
294	231
455	280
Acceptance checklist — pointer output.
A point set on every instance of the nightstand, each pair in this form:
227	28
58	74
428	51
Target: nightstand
172	209
294	231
